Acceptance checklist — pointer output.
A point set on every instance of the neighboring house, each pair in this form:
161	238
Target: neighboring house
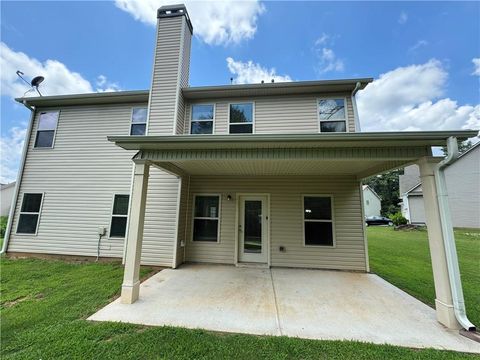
267	174
372	203
463	184
6	196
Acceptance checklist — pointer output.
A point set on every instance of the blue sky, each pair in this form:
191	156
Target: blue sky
426	52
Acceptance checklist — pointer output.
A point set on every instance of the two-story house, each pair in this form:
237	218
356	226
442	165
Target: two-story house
267	174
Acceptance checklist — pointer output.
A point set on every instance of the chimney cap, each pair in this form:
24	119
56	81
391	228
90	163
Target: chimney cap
173	11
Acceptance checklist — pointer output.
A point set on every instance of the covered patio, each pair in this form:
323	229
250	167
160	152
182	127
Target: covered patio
353	156
313	304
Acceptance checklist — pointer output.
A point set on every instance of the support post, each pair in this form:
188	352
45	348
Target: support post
131	275
443	294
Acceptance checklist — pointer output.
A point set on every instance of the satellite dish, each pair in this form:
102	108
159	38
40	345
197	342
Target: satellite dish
35	83
37	80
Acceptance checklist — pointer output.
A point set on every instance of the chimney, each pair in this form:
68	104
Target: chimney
171	67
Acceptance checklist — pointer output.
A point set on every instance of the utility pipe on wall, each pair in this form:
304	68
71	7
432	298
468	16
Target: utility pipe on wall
448	235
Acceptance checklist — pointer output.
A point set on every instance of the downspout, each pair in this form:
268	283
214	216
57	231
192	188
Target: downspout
354	104
19	179
448	235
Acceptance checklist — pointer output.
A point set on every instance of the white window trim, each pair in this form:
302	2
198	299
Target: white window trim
234	124
319	121
31	213
54	131
205	120
112	215
332	221
206	218
138	123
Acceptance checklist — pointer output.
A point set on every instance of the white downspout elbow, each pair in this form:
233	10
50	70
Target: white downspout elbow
448	236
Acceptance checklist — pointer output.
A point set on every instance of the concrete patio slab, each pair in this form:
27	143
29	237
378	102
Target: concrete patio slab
314	304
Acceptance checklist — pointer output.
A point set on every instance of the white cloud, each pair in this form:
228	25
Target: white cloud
104	85
418	45
403	17
476	64
11	149
322	39
215	22
327	59
409	98
251	73
58	78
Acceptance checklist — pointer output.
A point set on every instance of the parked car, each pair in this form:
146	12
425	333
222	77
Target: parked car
378	220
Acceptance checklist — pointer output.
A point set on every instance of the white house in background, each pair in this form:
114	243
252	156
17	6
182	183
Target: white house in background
463	184
6	196
372	203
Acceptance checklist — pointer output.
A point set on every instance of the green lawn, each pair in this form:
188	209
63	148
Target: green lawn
44	305
403	258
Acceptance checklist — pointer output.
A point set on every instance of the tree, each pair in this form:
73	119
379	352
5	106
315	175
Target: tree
462	147
387	187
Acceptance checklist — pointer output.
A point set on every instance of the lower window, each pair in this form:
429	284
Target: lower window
333	126
118	224
29	213
318	220
206	218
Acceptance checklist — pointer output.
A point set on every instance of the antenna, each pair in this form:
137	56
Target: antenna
34	84
19	74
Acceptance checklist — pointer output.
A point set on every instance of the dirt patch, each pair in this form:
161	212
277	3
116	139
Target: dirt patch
409	227
9	304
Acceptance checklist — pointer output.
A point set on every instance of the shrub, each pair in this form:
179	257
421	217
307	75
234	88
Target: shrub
3	225
398	219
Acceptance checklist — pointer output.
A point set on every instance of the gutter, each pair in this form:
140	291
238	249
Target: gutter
19	179
423	138
358	85
448	236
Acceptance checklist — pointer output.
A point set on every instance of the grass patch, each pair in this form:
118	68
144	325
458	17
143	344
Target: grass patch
44	305
403	258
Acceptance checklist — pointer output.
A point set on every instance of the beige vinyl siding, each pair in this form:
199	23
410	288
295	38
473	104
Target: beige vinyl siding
182	220
277	115
160	218
286	220
184	74
350	115
79	178
164	90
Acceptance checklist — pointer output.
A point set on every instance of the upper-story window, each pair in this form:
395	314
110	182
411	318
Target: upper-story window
47	126
139	121
332	115
241	118
202	118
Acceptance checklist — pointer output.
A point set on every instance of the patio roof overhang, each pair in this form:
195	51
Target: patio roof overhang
348	154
